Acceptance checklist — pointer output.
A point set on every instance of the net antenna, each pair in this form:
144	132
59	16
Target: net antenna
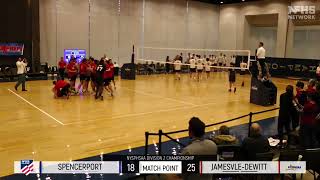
159	55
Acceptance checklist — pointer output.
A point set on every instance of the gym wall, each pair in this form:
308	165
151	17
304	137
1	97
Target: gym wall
292	40
111	27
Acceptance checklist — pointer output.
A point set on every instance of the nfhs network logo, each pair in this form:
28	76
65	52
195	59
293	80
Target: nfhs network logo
302	12
26	166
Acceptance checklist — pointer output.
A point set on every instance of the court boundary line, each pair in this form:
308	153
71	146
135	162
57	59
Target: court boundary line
28	102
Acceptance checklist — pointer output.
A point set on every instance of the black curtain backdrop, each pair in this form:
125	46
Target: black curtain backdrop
288	67
20	24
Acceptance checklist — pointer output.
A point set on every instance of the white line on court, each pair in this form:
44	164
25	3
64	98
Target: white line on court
36	107
152	95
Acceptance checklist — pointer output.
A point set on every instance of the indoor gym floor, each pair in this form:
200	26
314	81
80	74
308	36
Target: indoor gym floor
34	125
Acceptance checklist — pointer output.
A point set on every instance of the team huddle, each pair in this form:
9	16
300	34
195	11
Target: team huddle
99	74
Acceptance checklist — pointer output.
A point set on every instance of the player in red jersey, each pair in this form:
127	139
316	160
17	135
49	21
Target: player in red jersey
83	75
72	69
107	76
62	68
61	89
93	73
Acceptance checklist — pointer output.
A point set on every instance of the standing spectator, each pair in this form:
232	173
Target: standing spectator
307	124
254	144
224	137
62	68
299	100
301	95
285	112
21	71
311	89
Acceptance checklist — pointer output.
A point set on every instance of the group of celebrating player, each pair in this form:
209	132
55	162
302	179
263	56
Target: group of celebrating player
99	74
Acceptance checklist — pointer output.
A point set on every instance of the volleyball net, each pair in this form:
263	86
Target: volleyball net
224	59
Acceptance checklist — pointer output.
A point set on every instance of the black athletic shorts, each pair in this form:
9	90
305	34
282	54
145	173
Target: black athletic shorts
88	77
232	77
73	77
192	69
99	81
64	91
107	81
93	78
84	77
112	78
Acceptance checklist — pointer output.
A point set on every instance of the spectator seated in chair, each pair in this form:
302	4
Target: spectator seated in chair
255	143
199	145
224	137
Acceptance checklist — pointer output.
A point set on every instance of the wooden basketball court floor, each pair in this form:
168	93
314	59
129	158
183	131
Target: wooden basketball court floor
36	126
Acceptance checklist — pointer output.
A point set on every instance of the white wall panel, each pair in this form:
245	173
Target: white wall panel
155	23
130	32
305	43
48	31
104	29
267	35
72	25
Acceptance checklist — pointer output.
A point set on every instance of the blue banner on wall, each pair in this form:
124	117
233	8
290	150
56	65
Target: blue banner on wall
11	49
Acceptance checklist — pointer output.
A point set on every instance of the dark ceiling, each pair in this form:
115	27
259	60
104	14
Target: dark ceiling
225	1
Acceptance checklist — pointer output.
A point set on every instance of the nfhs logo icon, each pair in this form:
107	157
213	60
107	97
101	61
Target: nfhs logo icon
27	166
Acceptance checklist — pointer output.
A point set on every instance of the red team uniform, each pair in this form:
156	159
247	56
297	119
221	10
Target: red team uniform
72	71
84	71
62	88
108	74
94	71
62	67
62	64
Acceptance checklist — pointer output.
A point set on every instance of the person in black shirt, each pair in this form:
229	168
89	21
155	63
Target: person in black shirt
167	65
254	144
232	78
101	68
285	111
